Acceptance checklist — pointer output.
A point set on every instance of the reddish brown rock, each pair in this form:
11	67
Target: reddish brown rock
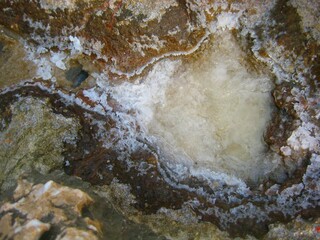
110	32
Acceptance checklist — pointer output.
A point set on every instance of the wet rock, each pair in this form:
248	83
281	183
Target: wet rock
46	210
33	138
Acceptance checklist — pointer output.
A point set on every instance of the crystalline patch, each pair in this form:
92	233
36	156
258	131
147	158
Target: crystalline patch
211	116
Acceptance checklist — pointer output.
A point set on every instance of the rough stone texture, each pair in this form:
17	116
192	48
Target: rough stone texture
32	137
296	230
73	233
124	37
53	5
293	56
17	229
310	16
11	55
166	221
108	31
49	209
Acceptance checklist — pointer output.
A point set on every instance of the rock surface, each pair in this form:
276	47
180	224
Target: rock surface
125	35
46	210
123	41
32	137
11	53
297	229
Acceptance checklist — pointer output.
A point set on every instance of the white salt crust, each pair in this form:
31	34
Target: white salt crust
210	114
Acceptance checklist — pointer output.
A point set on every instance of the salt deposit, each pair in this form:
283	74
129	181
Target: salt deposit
209	114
